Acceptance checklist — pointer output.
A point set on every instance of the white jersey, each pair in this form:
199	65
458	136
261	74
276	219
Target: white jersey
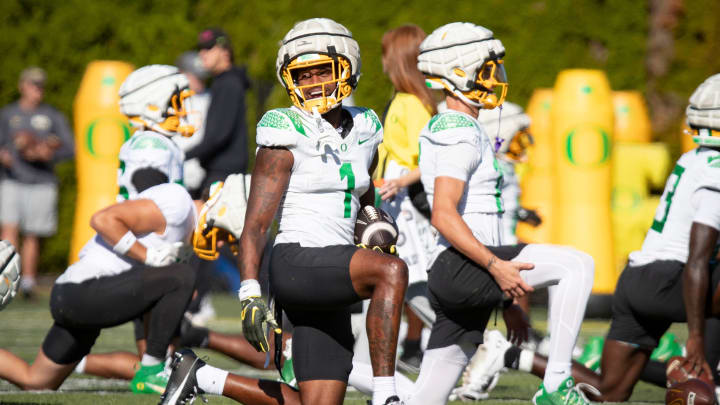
453	144
669	235
329	173
97	258
148	149
511	201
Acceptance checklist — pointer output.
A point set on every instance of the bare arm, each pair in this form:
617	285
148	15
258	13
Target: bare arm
138	216
447	220
391	187
695	287
270	180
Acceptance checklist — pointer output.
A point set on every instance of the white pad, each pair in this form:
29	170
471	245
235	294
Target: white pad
227	209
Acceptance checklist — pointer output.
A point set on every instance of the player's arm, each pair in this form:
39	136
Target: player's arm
447	220
696	275
369	197
270	180
118	223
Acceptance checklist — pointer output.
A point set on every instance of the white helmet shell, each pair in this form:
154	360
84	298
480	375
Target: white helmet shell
503	126
146	96
455	53
325	40
703	112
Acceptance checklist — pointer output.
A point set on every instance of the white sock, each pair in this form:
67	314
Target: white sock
211	379
383	388
526	360
555	373
80	368
148	360
439	372
362	379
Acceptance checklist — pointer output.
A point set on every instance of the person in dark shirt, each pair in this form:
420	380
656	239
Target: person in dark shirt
33	138
224	149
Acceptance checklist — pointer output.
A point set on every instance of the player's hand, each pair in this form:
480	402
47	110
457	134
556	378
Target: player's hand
389	189
163	255
507	275
695	356
518	324
255	314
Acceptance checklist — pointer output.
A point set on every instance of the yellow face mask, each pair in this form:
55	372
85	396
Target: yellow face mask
206	237
517	149
329	98
492	85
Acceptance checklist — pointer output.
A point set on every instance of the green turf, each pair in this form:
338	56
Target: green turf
24	325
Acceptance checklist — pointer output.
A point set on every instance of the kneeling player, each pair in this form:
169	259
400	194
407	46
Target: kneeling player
472	274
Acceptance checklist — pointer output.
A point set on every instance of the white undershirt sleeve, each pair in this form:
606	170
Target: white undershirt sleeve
706	204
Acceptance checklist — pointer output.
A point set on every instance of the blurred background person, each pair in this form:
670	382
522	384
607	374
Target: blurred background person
191	66
409	110
33	138
223	150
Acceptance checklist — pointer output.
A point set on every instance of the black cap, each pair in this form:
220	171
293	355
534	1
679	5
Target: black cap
213	36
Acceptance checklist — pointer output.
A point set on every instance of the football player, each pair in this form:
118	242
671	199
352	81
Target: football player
131	266
673	277
472	273
313	168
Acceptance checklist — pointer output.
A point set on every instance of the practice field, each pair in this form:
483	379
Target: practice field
24	325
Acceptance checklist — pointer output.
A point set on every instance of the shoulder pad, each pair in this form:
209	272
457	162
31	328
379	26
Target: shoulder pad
449	128
365	119
280	127
711	173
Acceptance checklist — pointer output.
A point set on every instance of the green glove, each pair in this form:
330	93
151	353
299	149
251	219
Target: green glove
255	315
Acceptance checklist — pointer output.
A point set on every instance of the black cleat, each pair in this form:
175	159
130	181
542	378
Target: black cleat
182	386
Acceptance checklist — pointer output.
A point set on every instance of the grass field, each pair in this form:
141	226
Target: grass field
24	325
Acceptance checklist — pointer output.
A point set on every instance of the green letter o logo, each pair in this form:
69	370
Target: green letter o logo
587	134
89	133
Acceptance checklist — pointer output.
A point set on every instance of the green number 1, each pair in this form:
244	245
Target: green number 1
346	171
658	225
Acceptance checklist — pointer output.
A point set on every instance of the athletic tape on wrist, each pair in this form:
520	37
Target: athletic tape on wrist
249	288
125	243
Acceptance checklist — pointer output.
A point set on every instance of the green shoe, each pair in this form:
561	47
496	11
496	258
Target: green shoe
667	348
288	372
567	394
150	380
592	353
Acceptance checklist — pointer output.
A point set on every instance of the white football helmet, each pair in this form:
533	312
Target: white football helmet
465	59
508	126
9	273
158	97
315	42
147	150
703	113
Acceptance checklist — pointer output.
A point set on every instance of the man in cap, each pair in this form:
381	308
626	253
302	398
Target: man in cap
33	138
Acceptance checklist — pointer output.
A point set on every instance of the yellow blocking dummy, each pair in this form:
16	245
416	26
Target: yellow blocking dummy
582	116
536	182
637	168
100	130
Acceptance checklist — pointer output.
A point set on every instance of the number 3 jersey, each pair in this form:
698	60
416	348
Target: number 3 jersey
669	235
329	173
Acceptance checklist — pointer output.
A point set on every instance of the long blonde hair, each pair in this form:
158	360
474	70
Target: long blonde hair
400	49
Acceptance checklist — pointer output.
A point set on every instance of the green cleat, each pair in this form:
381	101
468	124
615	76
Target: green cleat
567	394
592	353
667	348
150	380
287	373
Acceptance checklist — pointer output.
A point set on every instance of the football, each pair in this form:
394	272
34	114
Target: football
690	392
9	273
678	374
376	228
